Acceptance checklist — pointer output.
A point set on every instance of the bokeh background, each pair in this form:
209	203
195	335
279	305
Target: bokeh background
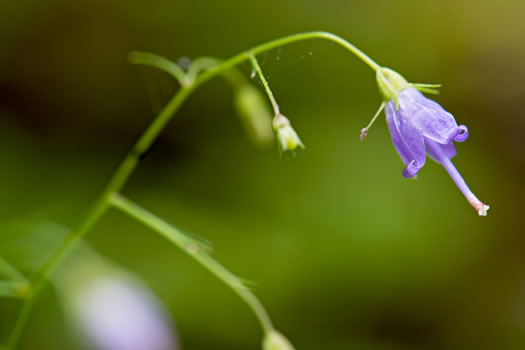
345	253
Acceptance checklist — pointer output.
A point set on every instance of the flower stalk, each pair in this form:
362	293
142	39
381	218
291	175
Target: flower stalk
269	92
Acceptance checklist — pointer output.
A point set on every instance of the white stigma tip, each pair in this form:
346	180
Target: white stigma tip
482	209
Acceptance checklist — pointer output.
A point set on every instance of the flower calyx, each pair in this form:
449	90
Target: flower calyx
391	83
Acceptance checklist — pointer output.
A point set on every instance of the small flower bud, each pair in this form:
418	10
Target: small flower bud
286	136
255	114
274	340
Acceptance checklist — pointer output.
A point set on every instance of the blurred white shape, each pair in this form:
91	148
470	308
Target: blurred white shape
110	308
120	315
274	340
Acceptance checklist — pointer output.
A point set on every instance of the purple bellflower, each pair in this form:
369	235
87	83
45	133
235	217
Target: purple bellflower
420	126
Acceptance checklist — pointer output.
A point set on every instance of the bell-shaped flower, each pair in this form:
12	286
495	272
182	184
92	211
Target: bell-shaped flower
420	126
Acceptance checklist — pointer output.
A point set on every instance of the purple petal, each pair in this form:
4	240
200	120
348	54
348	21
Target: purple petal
428	117
463	136
437	150
407	139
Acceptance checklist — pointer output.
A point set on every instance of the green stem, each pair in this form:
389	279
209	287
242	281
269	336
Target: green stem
200	64
145	141
188	246
269	92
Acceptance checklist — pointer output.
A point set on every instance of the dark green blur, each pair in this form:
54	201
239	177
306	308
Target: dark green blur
344	252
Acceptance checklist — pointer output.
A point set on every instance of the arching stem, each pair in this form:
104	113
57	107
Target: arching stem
132	159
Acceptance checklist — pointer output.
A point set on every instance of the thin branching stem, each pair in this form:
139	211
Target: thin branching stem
131	161
189	246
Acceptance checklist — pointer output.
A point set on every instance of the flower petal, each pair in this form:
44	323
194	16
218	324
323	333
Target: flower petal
448	150
463	135
407	139
428	117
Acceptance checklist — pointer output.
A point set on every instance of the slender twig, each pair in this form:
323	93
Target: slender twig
189	246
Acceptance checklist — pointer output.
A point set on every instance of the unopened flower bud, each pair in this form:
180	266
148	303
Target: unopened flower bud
255	114
274	340
286	136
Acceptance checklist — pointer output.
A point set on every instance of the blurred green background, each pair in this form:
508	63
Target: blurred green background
345	253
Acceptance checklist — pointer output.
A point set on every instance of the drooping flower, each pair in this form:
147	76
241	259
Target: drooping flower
420	126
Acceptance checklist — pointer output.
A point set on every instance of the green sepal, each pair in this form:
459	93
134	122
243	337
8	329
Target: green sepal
427	88
390	84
